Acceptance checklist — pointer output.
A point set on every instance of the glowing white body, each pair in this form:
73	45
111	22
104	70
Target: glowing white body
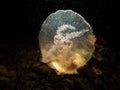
66	41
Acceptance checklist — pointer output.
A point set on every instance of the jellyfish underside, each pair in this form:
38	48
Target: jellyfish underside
66	41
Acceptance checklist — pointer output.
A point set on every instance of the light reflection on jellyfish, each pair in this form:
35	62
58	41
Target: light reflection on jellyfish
66	41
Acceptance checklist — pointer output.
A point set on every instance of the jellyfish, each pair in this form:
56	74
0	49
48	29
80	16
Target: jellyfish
66	41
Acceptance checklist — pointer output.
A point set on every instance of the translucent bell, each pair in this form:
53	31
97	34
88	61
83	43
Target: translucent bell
66	41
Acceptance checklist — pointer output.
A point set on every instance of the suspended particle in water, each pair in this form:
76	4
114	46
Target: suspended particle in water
66	41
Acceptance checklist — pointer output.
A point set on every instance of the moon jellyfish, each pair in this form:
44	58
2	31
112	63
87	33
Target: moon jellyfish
66	41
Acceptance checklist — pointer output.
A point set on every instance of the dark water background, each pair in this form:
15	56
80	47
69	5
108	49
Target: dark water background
20	66
21	20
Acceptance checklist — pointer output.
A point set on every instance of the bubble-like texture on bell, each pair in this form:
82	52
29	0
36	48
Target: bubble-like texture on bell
66	41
